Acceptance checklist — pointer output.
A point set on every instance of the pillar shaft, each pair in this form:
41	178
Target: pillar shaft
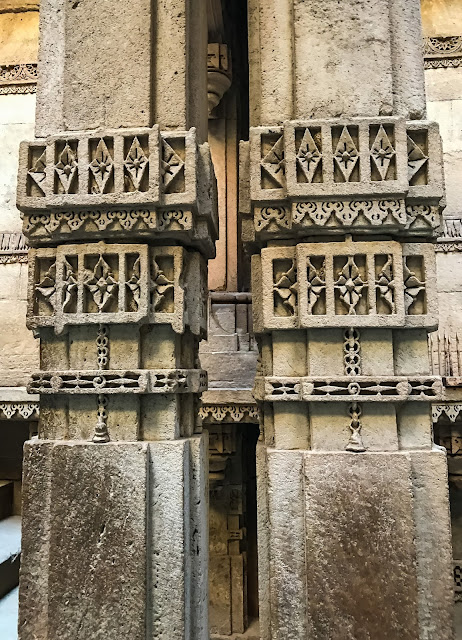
117	194
343	203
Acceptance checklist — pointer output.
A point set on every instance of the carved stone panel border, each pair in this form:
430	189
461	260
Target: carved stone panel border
348	389
354	284
116	381
18	78
114	283
443	52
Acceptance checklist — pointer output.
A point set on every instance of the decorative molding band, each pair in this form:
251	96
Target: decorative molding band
219	413
451	237
13	248
452	411
19	410
18	78
443	52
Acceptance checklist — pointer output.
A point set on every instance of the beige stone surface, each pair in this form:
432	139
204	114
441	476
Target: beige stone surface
441	17
19	37
434	562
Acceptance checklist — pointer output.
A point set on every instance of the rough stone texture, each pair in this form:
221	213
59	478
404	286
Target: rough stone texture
103	489
357	509
434	562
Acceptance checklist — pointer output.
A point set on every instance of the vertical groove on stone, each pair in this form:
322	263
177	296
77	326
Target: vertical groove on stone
271	21
407	59
433	545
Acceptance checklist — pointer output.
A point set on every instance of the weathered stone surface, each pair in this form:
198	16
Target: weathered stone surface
85	574
360	556
434	561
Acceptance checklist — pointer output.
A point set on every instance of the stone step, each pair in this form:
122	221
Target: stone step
10	550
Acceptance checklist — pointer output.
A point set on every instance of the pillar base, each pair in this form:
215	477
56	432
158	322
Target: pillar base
358	547
96	562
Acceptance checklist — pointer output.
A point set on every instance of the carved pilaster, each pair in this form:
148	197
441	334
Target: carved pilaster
118	200
341	199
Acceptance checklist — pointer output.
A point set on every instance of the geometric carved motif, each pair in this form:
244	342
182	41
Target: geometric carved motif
348	388
356	172
372	283
111	283
118	381
139	180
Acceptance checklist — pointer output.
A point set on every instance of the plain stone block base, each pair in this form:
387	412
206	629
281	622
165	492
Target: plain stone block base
114	540
355	546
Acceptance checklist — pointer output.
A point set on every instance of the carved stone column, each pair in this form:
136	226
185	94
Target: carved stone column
117	195
343	203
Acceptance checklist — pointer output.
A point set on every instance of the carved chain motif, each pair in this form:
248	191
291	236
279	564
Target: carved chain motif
352	352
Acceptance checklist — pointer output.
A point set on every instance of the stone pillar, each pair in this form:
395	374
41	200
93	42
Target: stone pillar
118	201
343	204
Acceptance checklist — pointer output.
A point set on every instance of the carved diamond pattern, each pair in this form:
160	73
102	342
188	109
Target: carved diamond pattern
274	163
66	168
160	286
101	284
386	285
412	287
135	163
171	164
308	156
37	171
350	285
316	284
286	287
416	158
47	286
346	154
382	152
102	165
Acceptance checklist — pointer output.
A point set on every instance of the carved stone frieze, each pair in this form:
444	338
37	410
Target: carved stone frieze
74	186
113	283
332	175
348	389
356	284
19	410
223	413
451	410
442	52
13	248
112	381
18	78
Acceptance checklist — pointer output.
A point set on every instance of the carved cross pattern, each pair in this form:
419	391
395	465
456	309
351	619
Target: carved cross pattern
133	283
171	163
346	154
316	284
37	171
309	155
70	285
66	167
274	162
416	157
286	288
160	286
47	287
135	163
101	284
382	152
385	284
102	166
412	287
350	285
